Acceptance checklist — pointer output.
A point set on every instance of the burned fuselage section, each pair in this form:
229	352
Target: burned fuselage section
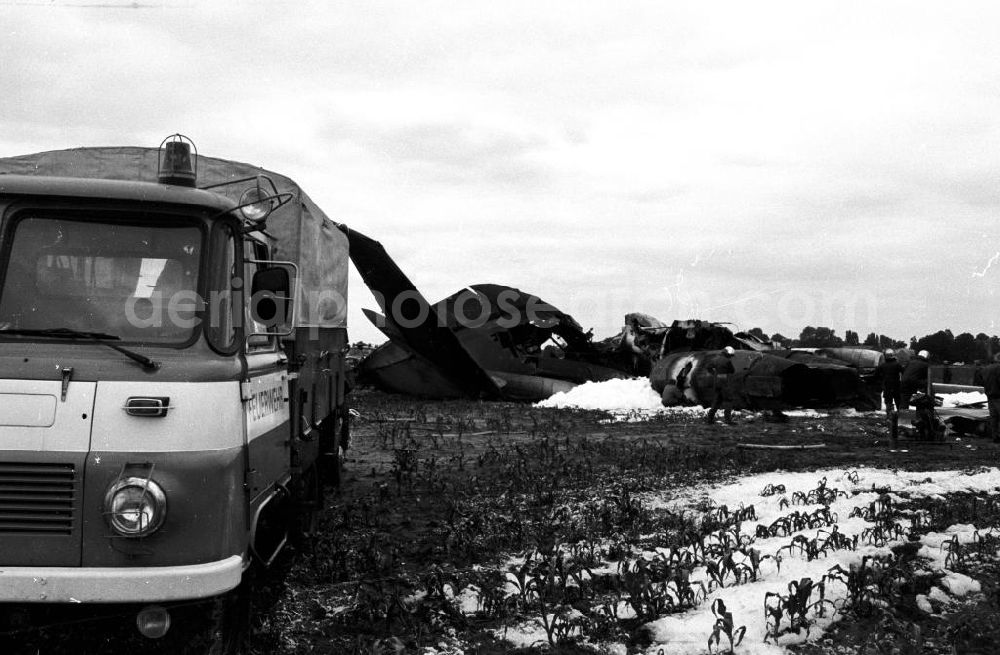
766	377
761	381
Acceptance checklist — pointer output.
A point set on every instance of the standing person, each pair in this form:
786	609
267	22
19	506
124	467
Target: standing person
720	367
914	377
989	378
890	371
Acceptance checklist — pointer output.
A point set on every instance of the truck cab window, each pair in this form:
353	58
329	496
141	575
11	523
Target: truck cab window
136	281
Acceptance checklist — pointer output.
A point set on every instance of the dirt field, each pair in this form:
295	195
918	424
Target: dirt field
417	552
437	496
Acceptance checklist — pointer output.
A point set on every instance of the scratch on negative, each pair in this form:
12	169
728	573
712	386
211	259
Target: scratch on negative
990	263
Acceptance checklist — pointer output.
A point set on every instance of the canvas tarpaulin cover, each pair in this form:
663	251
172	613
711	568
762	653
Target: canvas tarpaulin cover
303	232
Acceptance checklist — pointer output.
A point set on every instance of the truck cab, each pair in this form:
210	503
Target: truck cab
172	340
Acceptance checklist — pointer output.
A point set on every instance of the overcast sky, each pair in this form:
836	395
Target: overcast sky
768	164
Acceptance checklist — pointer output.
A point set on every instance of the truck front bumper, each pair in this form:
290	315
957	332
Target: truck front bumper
63	584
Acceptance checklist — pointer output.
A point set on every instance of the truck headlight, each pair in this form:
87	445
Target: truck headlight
135	507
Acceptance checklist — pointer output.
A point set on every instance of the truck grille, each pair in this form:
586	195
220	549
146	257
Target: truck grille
36	498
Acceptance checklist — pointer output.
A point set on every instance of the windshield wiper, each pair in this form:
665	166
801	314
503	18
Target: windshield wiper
96	337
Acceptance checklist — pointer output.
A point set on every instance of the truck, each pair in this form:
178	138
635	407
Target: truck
172	378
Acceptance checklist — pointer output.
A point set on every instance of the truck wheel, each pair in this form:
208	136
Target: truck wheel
345	429
231	618
308	504
333	442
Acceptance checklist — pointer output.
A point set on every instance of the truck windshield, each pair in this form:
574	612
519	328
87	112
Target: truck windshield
135	281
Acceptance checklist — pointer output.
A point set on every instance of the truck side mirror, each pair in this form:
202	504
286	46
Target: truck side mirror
270	296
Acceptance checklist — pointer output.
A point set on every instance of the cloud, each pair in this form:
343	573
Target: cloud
448	154
740	158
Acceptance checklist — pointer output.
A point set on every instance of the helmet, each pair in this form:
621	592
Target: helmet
728	351
890	353
924	354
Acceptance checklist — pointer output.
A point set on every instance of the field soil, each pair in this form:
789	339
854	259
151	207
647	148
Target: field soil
441	501
439	495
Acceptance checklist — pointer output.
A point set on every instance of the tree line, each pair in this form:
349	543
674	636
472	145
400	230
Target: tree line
943	345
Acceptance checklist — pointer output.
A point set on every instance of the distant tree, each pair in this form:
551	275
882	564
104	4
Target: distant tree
983	347
779	338
967	349
881	342
851	338
757	332
889	342
819	337
941	345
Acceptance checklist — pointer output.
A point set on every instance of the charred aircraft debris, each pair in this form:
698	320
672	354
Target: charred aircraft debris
971	417
767	377
495	341
485	341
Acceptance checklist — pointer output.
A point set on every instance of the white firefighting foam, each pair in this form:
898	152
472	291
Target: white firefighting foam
610	395
629	400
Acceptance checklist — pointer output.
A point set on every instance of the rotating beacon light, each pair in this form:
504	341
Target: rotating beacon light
176	164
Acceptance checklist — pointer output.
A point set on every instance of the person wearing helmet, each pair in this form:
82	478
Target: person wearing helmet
914	377
721	366
890	372
989	379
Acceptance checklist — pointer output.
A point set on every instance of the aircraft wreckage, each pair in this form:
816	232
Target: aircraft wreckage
765	378
485	341
495	341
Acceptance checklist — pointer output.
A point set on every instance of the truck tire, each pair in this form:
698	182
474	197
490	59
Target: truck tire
231	618
335	433
308	505
345	429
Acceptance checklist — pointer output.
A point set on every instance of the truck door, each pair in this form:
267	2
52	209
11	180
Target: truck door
265	403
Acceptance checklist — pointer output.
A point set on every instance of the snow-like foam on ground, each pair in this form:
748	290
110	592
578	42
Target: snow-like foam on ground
627	400
686	633
634	399
682	634
610	395
842	412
